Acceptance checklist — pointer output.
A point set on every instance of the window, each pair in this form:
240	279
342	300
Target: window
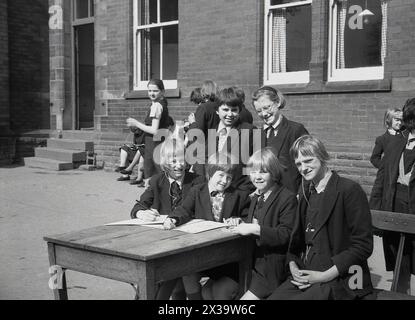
357	39
287	41
83	10
156	39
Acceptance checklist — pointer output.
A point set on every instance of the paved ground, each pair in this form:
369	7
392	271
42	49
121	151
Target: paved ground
36	202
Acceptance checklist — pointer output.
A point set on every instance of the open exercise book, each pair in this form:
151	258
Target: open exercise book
193	226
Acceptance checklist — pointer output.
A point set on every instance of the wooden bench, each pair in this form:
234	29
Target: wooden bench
396	222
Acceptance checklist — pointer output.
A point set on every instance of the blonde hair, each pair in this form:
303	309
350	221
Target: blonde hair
266	161
310	146
389	115
172	147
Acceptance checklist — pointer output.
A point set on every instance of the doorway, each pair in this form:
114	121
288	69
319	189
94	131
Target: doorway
84	76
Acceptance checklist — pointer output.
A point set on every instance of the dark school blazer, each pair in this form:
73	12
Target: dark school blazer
276	220
206	117
343	235
381	144
197	205
384	188
288	132
157	196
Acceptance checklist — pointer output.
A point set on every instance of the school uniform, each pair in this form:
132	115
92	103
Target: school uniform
202	204
198	205
150	167
206	117
280	138
161	194
394	190
275	213
381	145
332	227
245	115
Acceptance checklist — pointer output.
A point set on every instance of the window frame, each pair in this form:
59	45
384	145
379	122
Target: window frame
81	21
139	84
347	74
270	78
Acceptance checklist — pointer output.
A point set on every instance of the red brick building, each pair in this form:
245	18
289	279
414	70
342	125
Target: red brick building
341	63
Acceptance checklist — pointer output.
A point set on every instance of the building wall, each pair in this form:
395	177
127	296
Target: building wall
4	70
223	41
29	65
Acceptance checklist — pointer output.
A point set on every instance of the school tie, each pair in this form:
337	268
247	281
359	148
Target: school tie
259	204
176	194
222	138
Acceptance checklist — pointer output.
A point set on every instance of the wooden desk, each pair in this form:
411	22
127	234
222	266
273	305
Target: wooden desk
146	256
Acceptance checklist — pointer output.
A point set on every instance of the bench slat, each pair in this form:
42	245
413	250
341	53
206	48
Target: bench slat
393	221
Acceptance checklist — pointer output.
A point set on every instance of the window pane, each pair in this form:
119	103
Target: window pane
92	7
147	12
291	39
362	34
169	10
153	10
81	9
170	52
277	2
150	54
298	38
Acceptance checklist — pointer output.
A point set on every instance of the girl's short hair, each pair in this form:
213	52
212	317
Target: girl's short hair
171	148
157	82
240	93
274	95
196	96
310	146
265	160
409	114
389	115
221	162
209	90
230	97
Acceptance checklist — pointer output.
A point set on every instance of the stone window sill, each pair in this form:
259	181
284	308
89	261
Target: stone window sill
142	94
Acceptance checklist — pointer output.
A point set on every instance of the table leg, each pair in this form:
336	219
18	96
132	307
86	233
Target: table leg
147	287
60	292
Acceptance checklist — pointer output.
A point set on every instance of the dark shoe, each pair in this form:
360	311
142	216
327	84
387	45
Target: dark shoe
139	183
123	178
118	169
126	171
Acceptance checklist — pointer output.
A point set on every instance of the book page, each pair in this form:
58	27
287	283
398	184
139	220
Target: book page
138	222
200	225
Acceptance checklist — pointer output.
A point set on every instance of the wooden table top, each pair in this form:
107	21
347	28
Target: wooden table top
138	242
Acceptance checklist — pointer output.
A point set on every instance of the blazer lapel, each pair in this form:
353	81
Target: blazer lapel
277	142
205	201
265	209
396	152
252	206
327	203
228	205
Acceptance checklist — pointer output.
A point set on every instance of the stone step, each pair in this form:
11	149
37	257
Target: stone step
61	154
43	163
70	144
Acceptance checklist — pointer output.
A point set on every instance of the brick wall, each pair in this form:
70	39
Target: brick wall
4	70
29	64
223	41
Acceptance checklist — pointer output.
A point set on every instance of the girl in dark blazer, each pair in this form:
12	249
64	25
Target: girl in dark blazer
279	133
217	201
392	121
332	236
166	191
270	219
394	190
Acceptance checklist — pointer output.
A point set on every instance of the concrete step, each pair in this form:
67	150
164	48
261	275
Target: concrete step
71	144
43	163
61	154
